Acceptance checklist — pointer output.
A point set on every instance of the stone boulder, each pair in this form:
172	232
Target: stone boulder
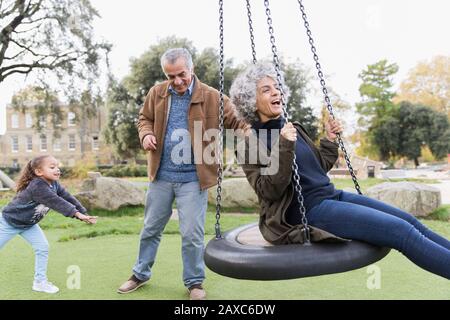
415	198
236	192
99	192
6	181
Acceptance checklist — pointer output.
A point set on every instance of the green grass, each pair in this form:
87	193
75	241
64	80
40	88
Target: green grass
106	252
367	183
441	214
105	263
71	229
130	211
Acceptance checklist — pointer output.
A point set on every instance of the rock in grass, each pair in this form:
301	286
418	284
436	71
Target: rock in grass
415	198
107	193
236	192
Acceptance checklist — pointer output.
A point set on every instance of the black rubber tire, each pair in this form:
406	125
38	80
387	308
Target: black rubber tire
230	258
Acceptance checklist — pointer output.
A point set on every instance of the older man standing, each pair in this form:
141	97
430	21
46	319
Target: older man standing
171	111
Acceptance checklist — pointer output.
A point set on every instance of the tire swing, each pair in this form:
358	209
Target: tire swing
242	253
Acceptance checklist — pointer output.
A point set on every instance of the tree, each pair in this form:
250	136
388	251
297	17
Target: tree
376	92
84	109
428	83
409	128
53	40
340	107
43	101
126	98
50	35
296	78
121	131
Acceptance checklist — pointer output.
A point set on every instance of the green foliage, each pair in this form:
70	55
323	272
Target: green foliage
386	137
440	214
126	98
121	130
126	171
411	127
376	91
44	102
296	78
146	70
207	69
129	220
79	170
368	183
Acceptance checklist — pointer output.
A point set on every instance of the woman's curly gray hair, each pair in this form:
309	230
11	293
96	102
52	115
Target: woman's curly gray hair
243	89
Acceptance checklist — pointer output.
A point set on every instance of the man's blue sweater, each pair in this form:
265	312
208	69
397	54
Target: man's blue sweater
177	165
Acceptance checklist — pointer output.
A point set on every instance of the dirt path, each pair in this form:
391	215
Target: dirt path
444	186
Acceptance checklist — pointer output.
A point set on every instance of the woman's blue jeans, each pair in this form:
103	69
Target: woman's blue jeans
361	218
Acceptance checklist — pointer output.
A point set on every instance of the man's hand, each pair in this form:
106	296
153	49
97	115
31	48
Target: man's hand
149	142
333	127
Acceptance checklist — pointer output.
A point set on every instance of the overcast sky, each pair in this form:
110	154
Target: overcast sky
349	34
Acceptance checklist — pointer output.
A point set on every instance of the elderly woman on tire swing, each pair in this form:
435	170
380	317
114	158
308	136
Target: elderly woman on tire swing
333	215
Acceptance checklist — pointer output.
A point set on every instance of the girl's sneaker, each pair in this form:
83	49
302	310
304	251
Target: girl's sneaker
44	286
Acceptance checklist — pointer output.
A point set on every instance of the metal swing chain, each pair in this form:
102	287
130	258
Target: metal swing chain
220	137
250	25
325	92
297	185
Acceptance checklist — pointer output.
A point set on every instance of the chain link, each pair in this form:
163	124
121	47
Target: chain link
250	27
325	93
296	176
219	143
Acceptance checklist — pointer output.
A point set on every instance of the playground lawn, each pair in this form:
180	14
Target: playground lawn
106	252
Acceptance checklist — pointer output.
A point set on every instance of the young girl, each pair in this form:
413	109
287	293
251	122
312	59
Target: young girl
38	191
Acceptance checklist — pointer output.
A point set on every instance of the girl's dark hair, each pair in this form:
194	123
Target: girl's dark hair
28	174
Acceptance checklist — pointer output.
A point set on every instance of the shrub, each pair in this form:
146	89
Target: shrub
126	171
79	170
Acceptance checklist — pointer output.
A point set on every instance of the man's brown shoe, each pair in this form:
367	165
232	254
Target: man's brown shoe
131	285
196	292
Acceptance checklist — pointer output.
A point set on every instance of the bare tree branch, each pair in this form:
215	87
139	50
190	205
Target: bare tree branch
30	67
16	56
7	12
26	48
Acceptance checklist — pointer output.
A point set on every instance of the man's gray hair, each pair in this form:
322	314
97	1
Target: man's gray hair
172	55
244	88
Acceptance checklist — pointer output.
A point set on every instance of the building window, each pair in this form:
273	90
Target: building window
58	121
71	119
95	143
43	142
15	121
29	144
43	121
14	143
72	143
28	120
56	144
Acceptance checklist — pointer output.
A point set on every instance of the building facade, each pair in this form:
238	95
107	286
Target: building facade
71	142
